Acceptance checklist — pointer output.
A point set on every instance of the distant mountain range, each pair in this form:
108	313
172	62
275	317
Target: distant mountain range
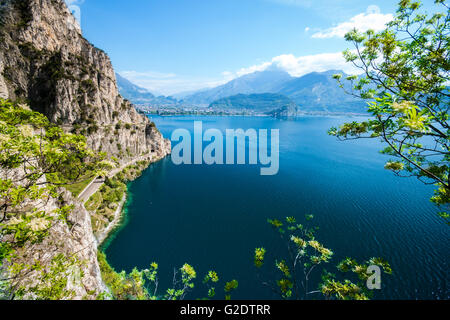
263	102
139	95
314	92
258	82
132	92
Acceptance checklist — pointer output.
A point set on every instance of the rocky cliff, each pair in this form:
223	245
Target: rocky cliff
46	62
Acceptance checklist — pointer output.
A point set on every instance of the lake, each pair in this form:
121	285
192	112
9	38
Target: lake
213	217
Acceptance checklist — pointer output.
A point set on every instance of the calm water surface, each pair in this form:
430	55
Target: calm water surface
213	217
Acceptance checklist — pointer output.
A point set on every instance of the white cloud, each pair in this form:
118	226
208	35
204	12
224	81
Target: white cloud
299	66
372	19
169	83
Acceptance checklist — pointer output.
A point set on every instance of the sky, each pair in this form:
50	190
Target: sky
173	46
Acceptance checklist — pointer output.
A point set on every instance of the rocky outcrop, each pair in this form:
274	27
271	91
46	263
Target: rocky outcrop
84	278
45	60
285	112
70	237
3	86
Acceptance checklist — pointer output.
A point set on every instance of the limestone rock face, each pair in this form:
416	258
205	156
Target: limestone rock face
45	60
3	87
71	237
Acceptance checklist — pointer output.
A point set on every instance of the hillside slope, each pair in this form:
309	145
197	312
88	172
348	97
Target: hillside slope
318	91
47	64
142	96
133	92
264	102
313	92
258	82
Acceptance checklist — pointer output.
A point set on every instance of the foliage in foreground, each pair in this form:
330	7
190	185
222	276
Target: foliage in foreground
104	203
305	256
405	78
144	284
32	150
37	158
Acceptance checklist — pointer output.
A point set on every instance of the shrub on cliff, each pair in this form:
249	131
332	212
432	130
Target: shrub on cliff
33	153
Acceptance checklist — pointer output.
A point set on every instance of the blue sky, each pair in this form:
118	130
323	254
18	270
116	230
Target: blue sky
171	46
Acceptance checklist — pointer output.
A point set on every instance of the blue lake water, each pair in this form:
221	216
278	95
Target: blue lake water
213	217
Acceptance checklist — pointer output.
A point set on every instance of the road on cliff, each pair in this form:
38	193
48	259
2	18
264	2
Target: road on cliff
97	183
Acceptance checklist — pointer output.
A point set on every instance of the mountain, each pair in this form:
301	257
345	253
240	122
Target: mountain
47	62
47	65
139	95
132	92
285	112
313	92
318	91
257	82
264	102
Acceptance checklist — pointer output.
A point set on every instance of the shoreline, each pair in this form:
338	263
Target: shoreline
118	215
119	220
325	115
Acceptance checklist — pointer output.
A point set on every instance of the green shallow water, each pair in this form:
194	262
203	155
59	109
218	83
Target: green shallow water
213	217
